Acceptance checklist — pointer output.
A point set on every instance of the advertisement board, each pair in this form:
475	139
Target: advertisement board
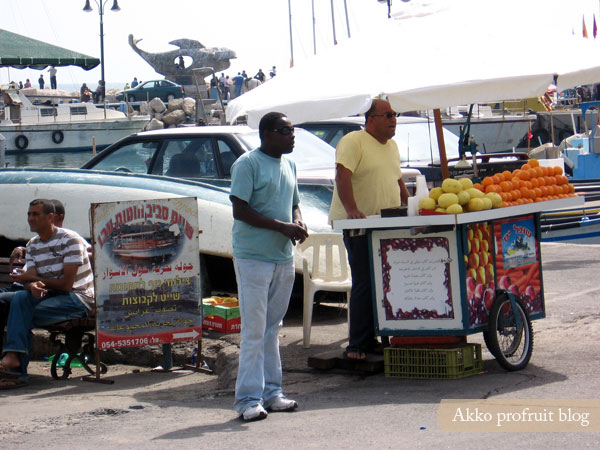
146	272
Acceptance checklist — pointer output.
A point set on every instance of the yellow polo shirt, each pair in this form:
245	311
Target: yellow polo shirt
375	171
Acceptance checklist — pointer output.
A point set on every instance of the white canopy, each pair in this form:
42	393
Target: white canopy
469	52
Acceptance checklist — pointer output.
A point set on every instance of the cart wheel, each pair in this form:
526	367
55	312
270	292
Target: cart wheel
487	343
509	337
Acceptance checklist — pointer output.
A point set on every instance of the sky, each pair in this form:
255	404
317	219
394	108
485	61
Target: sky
257	30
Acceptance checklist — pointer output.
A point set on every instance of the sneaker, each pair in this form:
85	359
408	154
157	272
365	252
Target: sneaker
255	412
283	404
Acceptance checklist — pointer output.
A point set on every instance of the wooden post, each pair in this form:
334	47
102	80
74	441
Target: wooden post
437	116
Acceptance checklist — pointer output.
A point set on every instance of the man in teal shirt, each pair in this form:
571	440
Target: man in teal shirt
267	224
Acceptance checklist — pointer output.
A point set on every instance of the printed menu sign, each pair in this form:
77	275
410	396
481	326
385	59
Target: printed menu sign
416	282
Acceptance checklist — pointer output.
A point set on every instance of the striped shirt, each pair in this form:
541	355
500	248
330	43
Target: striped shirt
64	248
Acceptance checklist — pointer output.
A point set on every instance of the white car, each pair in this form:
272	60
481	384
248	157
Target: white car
210	152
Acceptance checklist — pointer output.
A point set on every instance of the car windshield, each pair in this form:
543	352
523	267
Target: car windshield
134	157
310	152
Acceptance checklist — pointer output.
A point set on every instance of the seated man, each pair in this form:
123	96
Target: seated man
17	259
59	282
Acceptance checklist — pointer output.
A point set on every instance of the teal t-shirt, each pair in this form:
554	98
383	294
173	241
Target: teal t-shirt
269	186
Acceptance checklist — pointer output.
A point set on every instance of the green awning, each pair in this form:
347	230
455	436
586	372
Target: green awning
22	52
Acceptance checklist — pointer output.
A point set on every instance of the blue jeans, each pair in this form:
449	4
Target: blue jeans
362	324
264	291
6	295
27	312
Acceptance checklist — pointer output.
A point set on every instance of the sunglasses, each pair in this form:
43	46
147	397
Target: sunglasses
387	115
285	131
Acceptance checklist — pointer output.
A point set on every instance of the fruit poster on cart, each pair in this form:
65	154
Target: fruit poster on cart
147	272
518	243
517	261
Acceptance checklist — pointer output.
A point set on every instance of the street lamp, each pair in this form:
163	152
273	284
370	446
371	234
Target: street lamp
88	8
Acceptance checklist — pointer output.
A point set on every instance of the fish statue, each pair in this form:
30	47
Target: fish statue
171	64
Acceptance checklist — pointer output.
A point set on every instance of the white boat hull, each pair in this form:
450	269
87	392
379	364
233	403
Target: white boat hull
586	235
494	134
75	135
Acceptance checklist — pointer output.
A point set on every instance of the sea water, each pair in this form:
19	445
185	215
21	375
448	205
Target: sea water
48	160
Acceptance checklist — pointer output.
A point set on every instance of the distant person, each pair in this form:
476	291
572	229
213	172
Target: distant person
273	72
181	63
52	71
27	83
214	85
84	93
126	86
100	92
134	83
244	74
20	85
238	80
249	84
224	86
260	76
41	81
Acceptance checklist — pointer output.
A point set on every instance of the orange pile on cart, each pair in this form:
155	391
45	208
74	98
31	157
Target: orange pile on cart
531	183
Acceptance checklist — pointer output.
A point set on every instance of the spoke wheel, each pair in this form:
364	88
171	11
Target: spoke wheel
508	339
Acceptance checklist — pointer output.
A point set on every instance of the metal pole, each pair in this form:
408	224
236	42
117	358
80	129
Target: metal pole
291	41
333	24
314	24
1	155
101	12
347	22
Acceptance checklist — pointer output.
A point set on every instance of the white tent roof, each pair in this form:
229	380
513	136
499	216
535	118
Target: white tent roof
433	61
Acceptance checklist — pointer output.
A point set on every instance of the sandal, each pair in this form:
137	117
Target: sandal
11	372
357	354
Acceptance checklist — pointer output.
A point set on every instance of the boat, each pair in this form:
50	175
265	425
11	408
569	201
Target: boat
65	127
145	241
494	130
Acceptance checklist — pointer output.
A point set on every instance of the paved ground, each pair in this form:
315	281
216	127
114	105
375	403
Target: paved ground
143	409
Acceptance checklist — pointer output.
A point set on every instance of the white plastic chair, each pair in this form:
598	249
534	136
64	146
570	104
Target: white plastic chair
328	271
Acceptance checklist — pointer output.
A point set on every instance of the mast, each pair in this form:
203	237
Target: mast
291	41
347	22
314	24
333	24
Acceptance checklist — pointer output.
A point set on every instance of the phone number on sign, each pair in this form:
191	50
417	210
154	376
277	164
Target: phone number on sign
132	342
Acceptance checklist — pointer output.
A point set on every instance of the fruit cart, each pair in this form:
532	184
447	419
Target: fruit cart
459	274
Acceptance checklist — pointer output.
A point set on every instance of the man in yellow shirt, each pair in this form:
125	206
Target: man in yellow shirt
368	179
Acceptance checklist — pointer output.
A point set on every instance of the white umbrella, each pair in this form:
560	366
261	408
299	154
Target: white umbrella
472	51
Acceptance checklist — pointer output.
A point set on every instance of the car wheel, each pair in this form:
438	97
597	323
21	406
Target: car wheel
170	97
132	98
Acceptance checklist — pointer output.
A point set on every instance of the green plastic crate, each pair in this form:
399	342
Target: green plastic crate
436	363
